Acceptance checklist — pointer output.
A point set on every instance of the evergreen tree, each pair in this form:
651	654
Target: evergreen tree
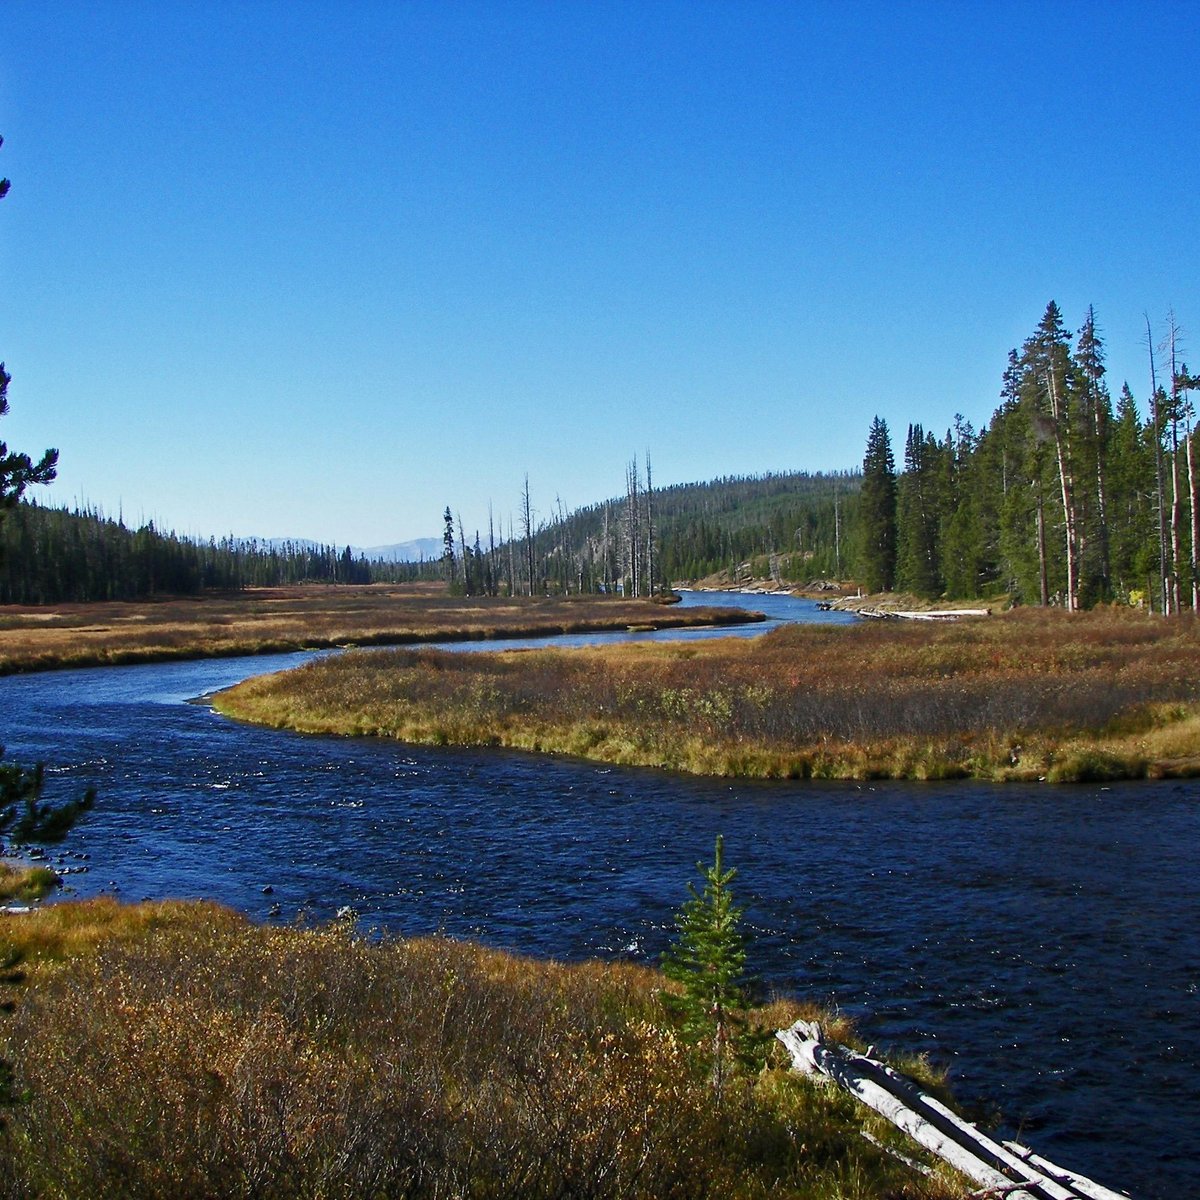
708	960
962	552
877	511
918	514
1132	511
1094	407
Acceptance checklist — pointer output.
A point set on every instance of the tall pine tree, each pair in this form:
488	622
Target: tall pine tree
877	511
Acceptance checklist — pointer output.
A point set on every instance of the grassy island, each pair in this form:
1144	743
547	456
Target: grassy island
1032	694
308	617
177	1050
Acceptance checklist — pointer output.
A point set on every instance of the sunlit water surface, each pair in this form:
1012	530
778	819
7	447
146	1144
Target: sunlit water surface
1044	942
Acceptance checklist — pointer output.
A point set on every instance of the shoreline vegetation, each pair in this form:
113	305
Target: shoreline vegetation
206	1055
1033	694
25	882
279	620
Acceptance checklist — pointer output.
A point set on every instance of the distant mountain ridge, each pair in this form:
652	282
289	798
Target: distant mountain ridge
417	550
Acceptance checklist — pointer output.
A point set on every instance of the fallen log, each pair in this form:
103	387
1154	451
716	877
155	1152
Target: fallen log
1001	1168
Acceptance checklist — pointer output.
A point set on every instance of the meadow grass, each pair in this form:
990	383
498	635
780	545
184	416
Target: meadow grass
176	1050
1032	694
18	881
314	616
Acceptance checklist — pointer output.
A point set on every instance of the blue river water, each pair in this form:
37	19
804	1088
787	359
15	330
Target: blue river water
1042	942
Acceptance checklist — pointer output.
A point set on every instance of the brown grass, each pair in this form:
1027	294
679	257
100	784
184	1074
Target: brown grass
276	620
1032	694
178	1051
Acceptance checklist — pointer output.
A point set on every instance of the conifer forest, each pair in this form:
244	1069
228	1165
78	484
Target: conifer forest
1064	498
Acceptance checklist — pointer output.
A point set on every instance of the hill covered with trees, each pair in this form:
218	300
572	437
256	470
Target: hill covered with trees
791	525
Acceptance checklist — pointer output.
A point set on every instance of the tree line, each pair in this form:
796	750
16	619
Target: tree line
1063	498
53	556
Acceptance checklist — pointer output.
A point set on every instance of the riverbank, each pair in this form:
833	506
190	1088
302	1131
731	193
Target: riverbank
25	882
204	1055
1029	695
310	617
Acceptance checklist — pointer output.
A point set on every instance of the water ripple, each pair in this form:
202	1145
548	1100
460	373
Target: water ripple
1045	943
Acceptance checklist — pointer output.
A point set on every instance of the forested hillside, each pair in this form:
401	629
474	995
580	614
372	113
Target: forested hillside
789	525
1062	499
51	556
795	522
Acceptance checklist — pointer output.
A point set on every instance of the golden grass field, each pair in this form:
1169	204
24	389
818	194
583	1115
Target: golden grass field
171	1051
1030	694
311	616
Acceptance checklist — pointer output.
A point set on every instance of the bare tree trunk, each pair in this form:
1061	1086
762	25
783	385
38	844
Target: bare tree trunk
1101	498
1156	420
1062	449
512	558
1176	499
493	574
462	545
649	531
1190	442
633	534
527	530
837	532
604	573
1043	577
1176	517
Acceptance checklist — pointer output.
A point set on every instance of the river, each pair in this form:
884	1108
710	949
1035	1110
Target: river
1043	942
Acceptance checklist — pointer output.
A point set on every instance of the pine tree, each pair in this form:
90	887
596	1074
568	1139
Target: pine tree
1095	411
962	551
918	511
1132	510
708	960
877	511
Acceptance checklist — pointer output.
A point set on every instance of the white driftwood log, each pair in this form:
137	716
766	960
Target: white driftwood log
1086	1187
1005	1168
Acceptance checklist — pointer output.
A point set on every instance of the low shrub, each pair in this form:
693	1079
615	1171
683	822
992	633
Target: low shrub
178	1051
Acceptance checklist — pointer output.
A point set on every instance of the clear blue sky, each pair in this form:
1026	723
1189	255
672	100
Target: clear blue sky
321	269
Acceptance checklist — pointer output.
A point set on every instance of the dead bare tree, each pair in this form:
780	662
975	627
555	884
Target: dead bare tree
649	530
1156	418
527	531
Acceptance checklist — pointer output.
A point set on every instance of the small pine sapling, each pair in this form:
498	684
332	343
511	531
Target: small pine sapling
708	961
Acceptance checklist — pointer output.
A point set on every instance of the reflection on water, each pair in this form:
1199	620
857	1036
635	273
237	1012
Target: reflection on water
1044	942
